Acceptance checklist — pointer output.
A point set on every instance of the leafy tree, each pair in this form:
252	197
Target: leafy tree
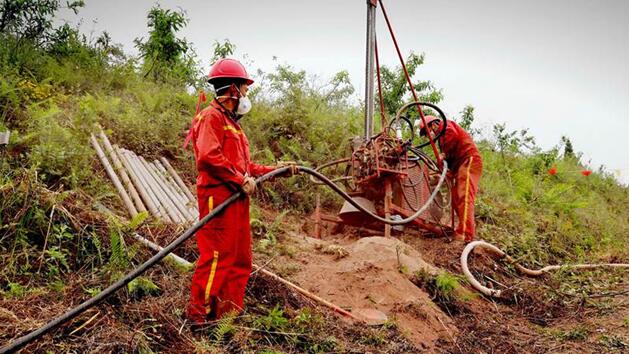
340	89
513	141
31	19
395	89
166	57
568	150
107	47
467	117
223	50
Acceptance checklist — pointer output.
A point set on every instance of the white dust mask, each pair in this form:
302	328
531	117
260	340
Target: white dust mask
244	103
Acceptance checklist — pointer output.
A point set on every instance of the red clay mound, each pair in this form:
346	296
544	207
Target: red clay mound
373	273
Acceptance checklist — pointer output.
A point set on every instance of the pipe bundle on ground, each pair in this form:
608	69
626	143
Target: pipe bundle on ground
146	186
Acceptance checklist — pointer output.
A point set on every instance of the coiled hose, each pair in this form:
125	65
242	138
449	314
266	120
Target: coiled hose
74	312
530	272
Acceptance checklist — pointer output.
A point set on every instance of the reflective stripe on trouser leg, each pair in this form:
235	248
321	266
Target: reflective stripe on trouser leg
208	287
467	193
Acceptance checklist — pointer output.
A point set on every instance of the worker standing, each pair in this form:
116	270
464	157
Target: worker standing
224	166
466	166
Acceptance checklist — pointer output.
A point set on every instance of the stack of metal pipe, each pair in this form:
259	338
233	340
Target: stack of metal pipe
146	186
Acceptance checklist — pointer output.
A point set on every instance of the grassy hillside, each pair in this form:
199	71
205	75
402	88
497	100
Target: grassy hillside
54	93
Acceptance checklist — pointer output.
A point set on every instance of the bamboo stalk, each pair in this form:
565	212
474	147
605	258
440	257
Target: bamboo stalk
145	191
114	178
122	172
154	185
178	179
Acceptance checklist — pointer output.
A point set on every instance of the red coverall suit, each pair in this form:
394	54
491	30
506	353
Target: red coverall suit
222	157
465	163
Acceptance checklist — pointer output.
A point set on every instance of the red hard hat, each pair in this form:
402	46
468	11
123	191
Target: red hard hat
429	119
227	69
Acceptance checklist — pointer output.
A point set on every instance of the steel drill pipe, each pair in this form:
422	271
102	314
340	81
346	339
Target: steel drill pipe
163	187
408	79
164	173
170	183
162	191
179	198
369	68
157	248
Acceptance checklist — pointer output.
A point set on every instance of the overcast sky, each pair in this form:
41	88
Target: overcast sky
557	67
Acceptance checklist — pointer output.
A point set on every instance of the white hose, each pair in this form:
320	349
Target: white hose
530	272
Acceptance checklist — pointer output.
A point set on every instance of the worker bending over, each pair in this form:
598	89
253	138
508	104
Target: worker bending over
466	166
224	166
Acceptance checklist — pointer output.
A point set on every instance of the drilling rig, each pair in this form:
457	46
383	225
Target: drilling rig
393	182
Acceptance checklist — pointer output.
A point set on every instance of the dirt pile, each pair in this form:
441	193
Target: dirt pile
373	273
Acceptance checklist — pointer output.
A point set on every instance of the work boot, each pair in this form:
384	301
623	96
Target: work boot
458	237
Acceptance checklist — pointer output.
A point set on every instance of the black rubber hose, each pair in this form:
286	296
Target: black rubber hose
24	340
443	126
67	316
420	154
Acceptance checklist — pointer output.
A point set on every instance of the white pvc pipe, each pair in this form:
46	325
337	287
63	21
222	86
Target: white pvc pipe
162	213
531	272
135	178
122	172
114	178
190	206
165	202
158	248
170	193
178	179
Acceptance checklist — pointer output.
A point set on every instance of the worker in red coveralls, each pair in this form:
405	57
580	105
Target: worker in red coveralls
466	166
224	167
